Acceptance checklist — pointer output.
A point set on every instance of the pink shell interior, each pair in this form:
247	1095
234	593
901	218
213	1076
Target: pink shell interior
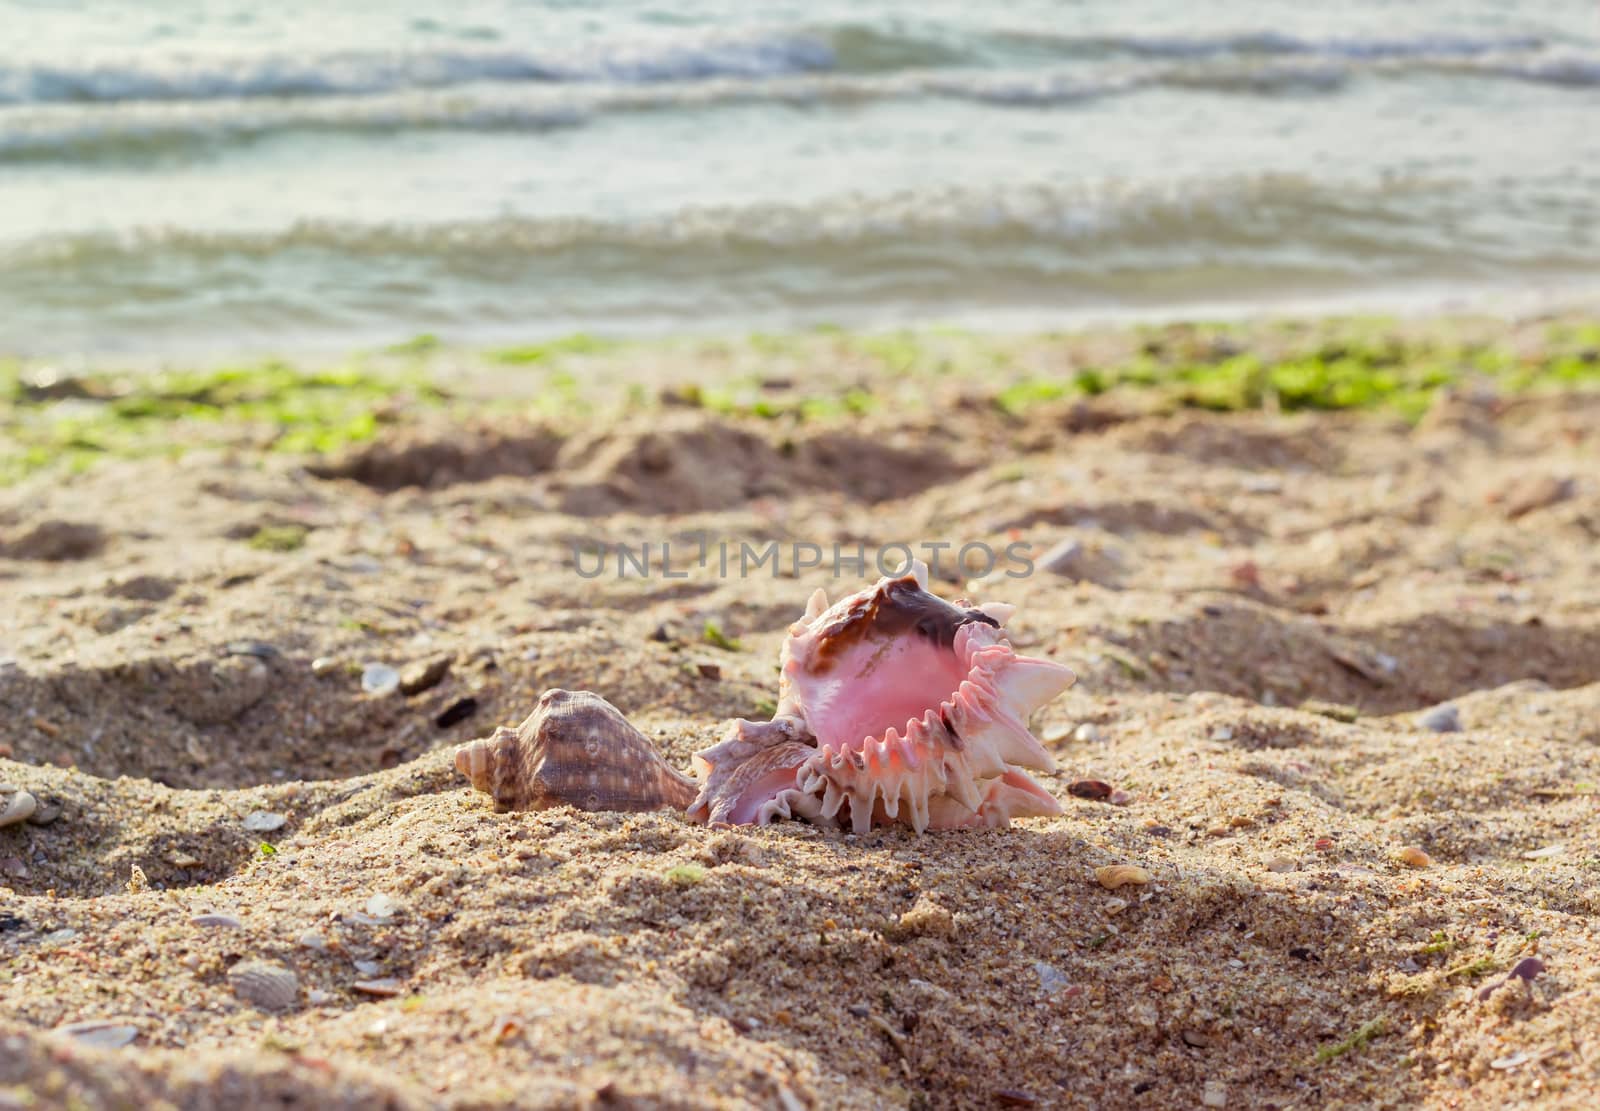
878	685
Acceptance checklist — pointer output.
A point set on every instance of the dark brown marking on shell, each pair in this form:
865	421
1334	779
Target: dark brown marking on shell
895	608
577	749
951	735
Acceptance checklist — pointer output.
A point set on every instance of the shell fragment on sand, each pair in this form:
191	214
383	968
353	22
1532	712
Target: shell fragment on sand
16	805
264	984
894	706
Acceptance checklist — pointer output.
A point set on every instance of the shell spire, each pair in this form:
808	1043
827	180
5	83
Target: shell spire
575	749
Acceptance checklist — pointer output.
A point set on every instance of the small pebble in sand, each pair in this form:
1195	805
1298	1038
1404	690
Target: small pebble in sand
268	986
1215	1094
927	919
1113	876
367	968
16	805
323	666
1444	718
1545	853
383	905
1089	789
1087	733
264	821
1051	978
1281	864
455	713
1413	857
219	921
1119	797
424	674
260	649
383	989
380	679
1116	906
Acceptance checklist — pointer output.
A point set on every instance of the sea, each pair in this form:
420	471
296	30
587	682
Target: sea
200	177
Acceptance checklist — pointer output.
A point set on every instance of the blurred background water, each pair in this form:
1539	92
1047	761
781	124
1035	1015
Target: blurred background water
226	175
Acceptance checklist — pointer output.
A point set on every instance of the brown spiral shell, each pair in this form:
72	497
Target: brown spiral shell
575	749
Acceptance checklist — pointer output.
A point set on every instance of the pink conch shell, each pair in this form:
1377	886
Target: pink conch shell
894	705
575	749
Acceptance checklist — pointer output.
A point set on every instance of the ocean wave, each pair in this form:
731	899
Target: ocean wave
915	255
86	131
1250	212
693	56
198	77
1267	43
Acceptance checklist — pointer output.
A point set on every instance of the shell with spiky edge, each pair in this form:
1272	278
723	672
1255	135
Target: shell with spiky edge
575	749
894	706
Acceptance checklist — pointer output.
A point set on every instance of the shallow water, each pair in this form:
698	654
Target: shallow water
210	175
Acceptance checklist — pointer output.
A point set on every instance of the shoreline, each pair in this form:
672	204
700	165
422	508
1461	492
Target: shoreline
1567	298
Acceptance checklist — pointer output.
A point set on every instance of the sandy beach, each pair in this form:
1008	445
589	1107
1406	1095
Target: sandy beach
1343	663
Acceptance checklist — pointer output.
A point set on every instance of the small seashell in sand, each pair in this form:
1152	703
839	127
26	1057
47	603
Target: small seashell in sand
1113	876
383	989
1413	857
46	813
311	939
269	986
98	1033
264	821
220	921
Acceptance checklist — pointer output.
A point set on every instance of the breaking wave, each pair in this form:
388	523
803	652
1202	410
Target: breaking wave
72	130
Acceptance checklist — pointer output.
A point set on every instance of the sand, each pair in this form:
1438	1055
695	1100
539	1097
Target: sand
1262	611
